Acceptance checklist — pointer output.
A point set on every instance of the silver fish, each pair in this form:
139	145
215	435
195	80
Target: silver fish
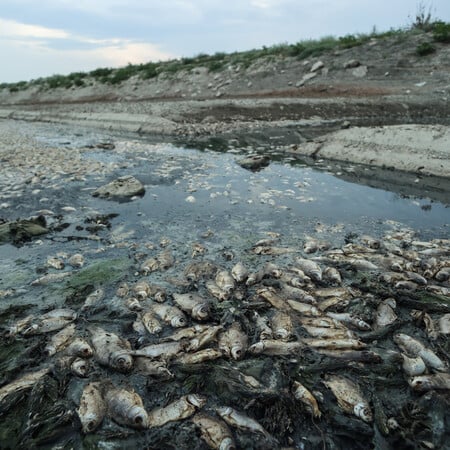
349	397
239	420
304	308
126	407
423	383
56	263
332	275
274	347
239	272
150	367
180	409
200	269
216	291
225	281
304	395
169	314
111	350
385	314
60	340
206	354
76	260
311	268
151	323
92	408
194	304
233	342
413	366
351	320
265	332
214	432
164	349
93	299
282	326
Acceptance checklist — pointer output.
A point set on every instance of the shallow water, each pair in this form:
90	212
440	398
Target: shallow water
191	196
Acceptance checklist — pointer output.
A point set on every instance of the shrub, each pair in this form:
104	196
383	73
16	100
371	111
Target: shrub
441	32
350	40
425	48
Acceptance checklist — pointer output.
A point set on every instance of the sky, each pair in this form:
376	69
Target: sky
47	37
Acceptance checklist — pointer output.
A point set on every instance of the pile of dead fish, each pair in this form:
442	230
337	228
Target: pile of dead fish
300	339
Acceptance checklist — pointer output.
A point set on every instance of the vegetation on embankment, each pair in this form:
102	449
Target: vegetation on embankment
435	31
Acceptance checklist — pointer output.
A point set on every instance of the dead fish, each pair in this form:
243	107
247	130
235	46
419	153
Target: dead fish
312	245
406	285
361	264
239	272
274	347
50	278
311	268
296	293
20	325
255	277
150	265
216	291
60	340
371	242
142	289
186	333
225	281
55	263
350	319
264	250
334	344
269	294
415	348
92	408
133	304
302	394
304	308
26	381
282	326
153	368
271	270
424	383
169	314
151	323
430	328
200	269
206	354
52	321
166	260
111	350
444	324
76	260
265	332
330	302
349	397
442	274
332	275
328	333
93	299
385	314
214	432
322	322
233	342
123	290
239	420
416	278
164	349
180	409
126	407
413	366
198	249
192	303
203	338
78	366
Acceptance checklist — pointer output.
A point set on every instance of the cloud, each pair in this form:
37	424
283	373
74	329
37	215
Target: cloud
13	29
35	51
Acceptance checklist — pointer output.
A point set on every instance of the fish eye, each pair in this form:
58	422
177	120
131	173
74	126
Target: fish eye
138	419
91	425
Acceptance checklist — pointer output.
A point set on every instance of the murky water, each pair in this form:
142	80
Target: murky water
191	196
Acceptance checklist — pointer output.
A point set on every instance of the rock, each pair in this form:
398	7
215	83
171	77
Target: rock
360	72
305	78
255	162
316	66
351	64
123	187
22	230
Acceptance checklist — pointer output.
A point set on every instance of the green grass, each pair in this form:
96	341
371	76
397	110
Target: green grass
219	61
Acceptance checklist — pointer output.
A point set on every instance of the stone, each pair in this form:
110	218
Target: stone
351	64
123	187
305	78
316	66
360	72
254	163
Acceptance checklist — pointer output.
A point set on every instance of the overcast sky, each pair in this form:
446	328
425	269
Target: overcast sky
46	37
